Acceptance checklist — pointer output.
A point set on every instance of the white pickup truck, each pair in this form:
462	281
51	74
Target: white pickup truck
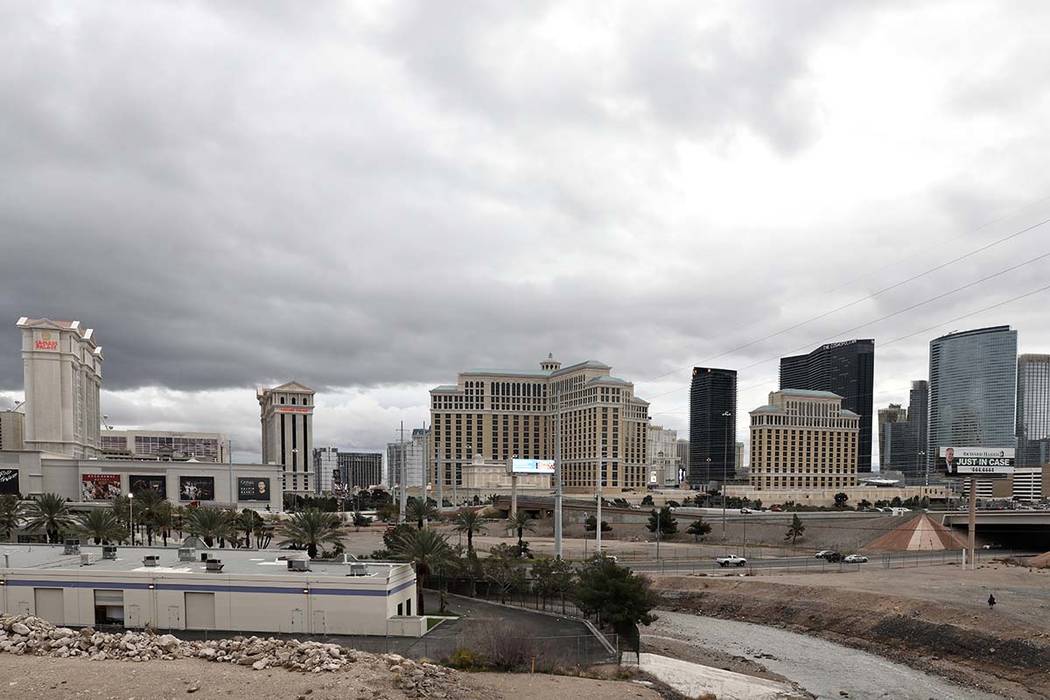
731	560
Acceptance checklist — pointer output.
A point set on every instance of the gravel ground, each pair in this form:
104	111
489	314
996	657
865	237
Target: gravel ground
57	679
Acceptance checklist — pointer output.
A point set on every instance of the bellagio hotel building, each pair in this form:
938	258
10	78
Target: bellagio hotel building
803	440
502	414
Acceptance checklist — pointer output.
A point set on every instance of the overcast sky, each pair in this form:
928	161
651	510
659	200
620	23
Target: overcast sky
368	197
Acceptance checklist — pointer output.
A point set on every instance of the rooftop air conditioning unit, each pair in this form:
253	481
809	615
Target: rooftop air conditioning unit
85	559
358	570
298	565
150	560
213	565
186	554
109	551
72	546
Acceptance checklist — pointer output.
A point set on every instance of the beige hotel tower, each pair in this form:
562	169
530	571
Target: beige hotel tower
62	374
286	413
803	440
502	414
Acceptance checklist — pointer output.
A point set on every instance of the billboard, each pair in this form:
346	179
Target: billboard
976	461
196	488
152	482
9	482
99	487
531	466
253	489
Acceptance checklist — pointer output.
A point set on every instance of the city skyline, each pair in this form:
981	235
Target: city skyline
723	191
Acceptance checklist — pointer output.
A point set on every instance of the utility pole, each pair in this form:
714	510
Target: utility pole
725	464
598	516
403	492
557	475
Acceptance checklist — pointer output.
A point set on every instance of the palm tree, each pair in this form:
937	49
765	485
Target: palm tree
795	530
469	521
50	512
311	528
146	503
520	522
164	520
427	550
248	521
420	509
101	525
12	511
208	523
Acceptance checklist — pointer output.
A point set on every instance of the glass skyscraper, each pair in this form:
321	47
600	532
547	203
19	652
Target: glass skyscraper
712	434
973	390
1033	410
847	369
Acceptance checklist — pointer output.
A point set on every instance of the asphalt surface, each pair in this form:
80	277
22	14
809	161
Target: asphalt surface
809	563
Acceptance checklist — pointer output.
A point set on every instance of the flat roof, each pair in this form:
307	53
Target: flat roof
236	562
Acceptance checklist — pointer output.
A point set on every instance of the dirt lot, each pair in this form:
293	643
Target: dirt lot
931	618
53	679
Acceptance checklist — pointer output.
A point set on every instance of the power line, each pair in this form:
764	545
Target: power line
866	298
905	310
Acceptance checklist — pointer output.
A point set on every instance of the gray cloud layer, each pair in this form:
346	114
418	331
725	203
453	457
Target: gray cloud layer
359	197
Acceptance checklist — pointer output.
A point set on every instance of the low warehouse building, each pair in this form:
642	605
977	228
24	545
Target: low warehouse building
227	590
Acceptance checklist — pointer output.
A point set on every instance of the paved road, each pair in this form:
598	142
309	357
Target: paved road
808	563
822	668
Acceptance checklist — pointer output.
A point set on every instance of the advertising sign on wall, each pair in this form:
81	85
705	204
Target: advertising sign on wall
9	482
151	482
977	461
196	488
532	466
253	489
99	487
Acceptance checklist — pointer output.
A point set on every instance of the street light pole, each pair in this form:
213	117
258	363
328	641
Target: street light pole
725	464
557	475
131	516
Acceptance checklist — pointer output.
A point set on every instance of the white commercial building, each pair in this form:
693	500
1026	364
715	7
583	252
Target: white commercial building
62	375
414	455
32	473
230	590
1027	484
664	461
166	445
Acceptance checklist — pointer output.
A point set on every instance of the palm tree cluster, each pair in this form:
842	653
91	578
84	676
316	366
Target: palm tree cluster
312	528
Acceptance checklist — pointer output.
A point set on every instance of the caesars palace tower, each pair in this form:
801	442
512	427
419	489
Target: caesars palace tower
62	366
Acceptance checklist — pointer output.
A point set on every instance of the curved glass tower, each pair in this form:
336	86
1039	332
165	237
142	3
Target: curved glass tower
973	390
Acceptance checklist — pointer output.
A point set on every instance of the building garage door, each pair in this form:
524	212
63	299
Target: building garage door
200	611
50	605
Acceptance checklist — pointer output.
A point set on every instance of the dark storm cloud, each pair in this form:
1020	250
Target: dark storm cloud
235	194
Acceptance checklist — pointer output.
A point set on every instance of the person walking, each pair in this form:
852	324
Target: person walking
991	601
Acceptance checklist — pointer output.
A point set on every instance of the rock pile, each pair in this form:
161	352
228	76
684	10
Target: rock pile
25	634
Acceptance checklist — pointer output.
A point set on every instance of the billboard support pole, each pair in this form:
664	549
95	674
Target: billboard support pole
973	523
513	494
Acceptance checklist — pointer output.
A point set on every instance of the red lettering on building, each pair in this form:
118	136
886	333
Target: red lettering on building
47	345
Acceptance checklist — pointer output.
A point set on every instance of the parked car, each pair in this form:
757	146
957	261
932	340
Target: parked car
823	553
831	556
745	511
731	560
855	559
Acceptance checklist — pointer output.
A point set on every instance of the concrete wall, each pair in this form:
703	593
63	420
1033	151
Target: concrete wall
283	604
826	497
